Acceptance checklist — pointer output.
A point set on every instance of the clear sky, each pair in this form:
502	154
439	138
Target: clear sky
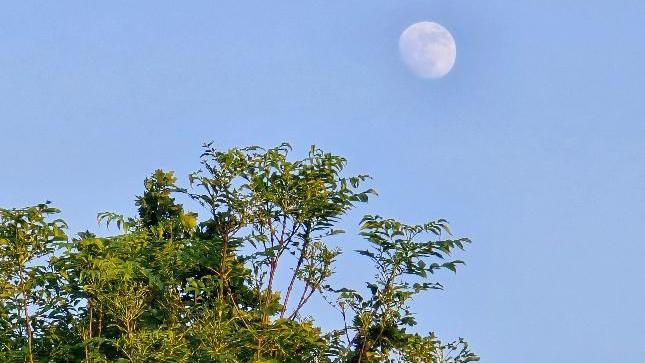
532	145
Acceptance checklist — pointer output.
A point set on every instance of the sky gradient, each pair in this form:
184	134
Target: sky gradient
532	145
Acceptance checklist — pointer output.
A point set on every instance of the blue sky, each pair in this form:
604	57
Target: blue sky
532	145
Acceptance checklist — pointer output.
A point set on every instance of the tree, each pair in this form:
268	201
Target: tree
172	287
25	237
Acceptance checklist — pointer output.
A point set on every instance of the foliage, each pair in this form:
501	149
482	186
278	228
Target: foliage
27	300
172	287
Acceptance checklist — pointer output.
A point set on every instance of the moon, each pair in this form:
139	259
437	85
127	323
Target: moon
428	49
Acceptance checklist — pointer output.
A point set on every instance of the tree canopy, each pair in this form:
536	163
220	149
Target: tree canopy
173	285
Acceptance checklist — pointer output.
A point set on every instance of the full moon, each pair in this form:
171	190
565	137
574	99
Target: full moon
428	49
